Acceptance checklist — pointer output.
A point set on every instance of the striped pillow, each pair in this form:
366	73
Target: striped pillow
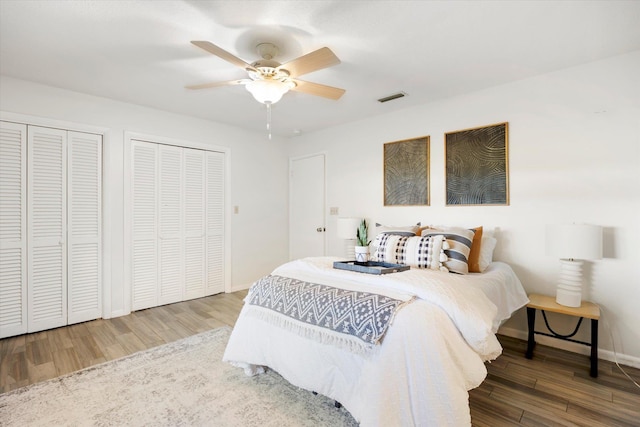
415	251
459	241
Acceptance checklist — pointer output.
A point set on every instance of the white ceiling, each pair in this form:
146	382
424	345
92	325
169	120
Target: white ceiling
140	52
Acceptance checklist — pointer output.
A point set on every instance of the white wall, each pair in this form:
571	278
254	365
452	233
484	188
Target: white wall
258	175
574	156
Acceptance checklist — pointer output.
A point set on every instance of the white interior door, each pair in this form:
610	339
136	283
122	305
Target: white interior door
13	229
307	207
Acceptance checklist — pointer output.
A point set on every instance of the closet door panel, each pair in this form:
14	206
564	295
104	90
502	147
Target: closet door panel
84	220
47	229
171	225
144	272
215	223
194	214
13	229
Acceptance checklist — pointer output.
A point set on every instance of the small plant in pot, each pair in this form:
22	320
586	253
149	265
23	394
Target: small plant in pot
362	244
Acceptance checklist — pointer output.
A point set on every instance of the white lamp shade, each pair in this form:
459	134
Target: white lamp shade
347	228
574	241
267	91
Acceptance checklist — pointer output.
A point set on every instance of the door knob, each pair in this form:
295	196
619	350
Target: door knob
320	229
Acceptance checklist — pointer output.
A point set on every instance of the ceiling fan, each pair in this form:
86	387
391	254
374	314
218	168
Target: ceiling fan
269	80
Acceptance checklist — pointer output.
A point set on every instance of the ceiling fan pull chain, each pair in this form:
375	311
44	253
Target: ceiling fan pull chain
268	104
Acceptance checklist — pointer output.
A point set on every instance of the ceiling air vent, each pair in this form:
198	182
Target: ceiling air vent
392	97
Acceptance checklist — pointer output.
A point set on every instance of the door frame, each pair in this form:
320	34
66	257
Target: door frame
324	196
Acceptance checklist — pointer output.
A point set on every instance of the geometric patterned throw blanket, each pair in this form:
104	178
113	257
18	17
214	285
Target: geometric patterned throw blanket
362	315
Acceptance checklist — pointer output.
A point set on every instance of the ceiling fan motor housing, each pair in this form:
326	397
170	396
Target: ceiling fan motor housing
267	50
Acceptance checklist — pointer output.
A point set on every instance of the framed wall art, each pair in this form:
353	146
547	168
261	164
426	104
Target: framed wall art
477	166
406	172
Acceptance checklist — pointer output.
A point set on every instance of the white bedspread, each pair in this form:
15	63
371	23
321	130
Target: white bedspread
429	358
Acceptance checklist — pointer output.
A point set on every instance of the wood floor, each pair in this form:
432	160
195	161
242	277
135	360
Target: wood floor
552	389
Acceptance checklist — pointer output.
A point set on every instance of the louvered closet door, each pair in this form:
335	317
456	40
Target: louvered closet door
170	246
215	223
84	186
194	215
144	275
178	224
47	230
13	229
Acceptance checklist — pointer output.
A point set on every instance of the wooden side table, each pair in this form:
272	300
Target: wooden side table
546	303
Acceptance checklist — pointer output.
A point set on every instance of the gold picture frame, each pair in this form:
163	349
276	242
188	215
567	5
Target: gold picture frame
406	172
477	166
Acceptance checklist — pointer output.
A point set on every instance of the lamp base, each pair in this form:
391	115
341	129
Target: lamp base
569	290
568	299
350	248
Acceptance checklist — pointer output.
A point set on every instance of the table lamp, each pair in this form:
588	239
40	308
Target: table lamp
346	230
573	243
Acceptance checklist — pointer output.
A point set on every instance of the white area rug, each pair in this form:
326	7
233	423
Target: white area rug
183	383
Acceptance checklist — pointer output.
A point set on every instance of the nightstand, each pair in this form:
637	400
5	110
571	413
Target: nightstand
586	310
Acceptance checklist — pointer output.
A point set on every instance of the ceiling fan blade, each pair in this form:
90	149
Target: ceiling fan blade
318	89
221	53
316	60
217	84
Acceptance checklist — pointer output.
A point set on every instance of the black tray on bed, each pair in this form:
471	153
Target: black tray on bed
370	267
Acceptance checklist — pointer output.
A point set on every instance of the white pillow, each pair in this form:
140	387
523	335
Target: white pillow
486	252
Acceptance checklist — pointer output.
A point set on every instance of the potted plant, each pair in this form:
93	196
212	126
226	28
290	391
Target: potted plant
362	244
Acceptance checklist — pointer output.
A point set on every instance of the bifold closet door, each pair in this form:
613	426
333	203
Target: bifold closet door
171	254
195	261
50	228
144	217
84	202
13	229
177	224
47	228
215	223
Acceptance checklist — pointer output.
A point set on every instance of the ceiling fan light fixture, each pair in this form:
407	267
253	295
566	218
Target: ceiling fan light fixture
268	91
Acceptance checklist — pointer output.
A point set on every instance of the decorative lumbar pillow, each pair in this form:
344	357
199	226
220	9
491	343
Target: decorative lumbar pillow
486	252
474	254
459	241
415	251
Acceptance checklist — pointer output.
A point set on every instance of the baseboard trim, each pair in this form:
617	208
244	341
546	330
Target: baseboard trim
623	359
118	313
240	287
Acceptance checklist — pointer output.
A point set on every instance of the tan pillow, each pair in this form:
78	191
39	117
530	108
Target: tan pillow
474	254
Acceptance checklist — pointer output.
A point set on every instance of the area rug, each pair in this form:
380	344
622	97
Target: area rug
184	383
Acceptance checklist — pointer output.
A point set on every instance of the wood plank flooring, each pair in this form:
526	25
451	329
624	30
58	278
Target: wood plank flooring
39	356
552	389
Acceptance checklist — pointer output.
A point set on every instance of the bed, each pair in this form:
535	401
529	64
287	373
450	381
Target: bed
420	370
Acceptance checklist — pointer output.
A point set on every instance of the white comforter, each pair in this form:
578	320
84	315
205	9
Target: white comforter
430	357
